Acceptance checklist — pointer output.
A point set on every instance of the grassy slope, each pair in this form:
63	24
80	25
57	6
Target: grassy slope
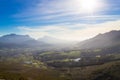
17	71
108	71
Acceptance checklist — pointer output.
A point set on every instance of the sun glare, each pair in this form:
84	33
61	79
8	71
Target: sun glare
88	6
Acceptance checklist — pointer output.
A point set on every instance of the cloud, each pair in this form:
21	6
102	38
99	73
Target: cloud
70	31
60	11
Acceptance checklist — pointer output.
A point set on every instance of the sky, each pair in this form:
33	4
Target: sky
63	19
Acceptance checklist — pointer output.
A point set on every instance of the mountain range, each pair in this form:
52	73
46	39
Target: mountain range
25	41
108	39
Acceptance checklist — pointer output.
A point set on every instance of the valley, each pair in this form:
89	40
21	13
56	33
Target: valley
34	63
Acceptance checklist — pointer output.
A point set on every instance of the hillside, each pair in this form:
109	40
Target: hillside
108	39
15	71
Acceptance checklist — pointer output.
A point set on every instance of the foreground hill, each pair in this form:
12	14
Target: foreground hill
107	71
16	71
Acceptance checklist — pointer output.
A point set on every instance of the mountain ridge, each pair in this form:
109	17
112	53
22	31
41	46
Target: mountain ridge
107	39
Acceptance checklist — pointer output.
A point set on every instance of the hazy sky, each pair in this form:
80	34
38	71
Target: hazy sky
65	19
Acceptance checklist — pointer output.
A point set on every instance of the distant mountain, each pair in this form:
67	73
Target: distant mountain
19	41
58	43
52	40
14	38
108	39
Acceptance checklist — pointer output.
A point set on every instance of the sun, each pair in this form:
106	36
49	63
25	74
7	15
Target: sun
88	6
